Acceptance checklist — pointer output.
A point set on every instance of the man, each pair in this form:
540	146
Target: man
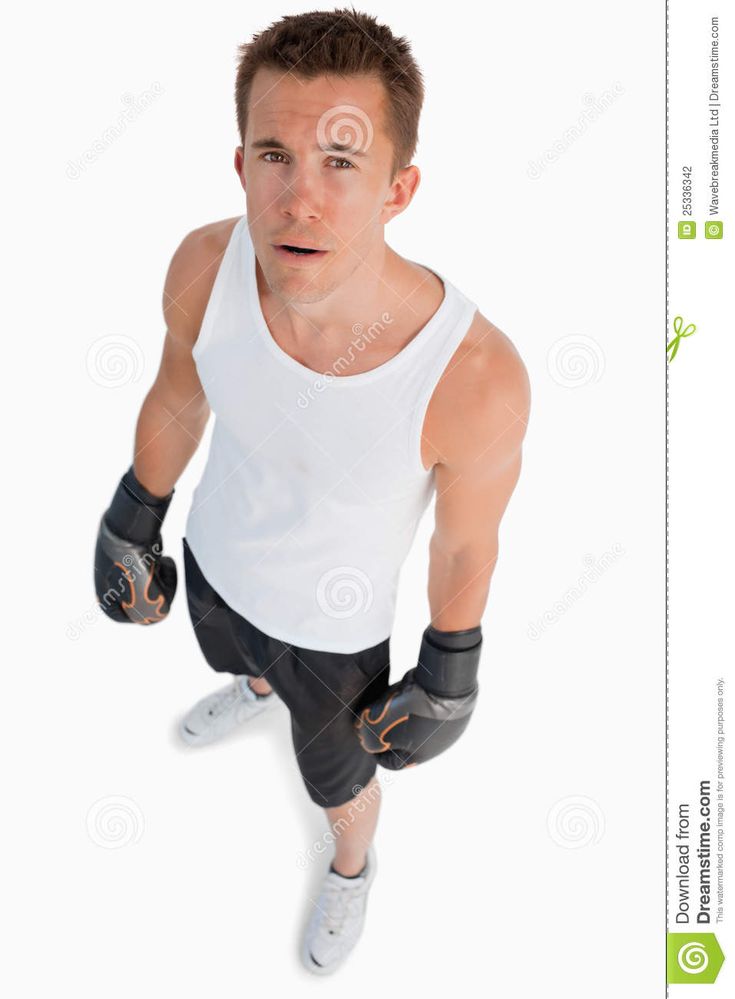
349	385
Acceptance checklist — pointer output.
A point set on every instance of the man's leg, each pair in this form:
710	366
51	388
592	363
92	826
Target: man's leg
353	825
324	692
259	685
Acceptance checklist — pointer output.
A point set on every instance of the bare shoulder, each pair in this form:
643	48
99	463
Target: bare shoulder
483	391
191	275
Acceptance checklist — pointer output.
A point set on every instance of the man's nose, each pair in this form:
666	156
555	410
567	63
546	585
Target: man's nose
301	197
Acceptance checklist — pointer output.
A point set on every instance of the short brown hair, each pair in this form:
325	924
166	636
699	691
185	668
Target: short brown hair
347	43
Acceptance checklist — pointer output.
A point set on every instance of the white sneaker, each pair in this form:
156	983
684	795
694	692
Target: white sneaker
337	919
218	713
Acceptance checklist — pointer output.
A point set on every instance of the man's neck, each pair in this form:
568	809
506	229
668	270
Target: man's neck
388	289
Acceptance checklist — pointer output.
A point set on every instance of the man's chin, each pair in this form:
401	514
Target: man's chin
295	285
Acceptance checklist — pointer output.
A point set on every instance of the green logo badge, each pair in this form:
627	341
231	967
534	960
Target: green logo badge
687	230
713	230
692	958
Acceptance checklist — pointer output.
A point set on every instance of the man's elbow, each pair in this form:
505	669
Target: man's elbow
466	551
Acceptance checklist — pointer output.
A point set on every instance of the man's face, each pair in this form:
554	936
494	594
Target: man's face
302	188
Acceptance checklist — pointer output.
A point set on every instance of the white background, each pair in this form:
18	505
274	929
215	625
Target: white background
527	859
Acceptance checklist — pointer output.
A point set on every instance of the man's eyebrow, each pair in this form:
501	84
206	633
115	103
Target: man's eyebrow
337	147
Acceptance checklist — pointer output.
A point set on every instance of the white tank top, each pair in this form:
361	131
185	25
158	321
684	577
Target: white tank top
314	484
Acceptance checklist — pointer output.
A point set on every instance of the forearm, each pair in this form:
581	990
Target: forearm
459	584
167	434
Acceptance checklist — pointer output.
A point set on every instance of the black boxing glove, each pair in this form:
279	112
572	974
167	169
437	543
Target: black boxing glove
134	581
425	712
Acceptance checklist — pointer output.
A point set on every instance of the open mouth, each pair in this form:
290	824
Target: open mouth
299	249
304	253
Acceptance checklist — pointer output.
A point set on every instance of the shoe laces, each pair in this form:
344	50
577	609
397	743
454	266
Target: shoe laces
339	902
232	693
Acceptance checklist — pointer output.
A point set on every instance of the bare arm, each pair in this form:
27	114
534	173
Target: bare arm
175	411
474	426
487	400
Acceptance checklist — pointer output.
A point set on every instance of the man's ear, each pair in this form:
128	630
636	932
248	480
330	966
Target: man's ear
239	162
401	192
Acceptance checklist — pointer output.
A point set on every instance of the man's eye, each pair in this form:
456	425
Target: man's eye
348	164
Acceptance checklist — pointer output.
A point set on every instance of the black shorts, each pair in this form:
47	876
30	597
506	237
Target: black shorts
323	691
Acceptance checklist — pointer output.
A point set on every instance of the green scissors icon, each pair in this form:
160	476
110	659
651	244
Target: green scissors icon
678	323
